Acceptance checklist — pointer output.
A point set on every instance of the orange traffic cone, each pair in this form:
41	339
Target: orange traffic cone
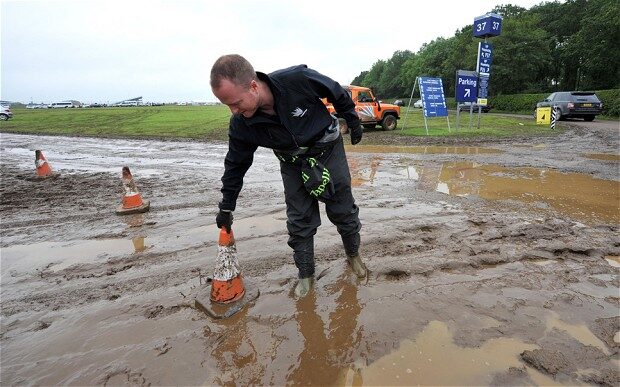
227	293
227	284
43	167
132	200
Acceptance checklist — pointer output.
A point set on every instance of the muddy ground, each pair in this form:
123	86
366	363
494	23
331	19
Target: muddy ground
491	262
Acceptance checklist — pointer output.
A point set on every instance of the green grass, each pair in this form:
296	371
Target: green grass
211	122
148	121
492	125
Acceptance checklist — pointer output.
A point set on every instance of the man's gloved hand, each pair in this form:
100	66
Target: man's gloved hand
356	134
224	219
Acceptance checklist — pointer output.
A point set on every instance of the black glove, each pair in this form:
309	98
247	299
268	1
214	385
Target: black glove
224	219
356	134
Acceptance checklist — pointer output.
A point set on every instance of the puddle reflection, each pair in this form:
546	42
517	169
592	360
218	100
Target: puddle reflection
424	150
308	341
574	194
134	220
325	351
138	244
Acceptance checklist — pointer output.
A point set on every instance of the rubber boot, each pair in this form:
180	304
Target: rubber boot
303	286
357	265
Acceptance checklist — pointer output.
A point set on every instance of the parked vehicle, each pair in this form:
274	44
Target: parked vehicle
370	110
399	102
5	113
418	104
36	106
574	104
465	106
61	105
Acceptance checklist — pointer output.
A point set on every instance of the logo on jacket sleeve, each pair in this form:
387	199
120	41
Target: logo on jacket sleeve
298	112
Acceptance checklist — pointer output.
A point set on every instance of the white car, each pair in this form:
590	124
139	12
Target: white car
5	113
418	104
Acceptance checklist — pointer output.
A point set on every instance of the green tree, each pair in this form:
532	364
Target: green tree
372	78
358	80
597	46
391	83
521	56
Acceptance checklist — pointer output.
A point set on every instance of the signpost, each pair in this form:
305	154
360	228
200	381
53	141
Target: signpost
543	116
466	86
487	25
433	99
466	91
485	58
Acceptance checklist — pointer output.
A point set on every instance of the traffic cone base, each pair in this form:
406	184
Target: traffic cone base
227	293
132	200
42	167
224	292
219	310
146	205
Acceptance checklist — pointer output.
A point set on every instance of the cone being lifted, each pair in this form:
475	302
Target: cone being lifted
44	170
228	293
132	200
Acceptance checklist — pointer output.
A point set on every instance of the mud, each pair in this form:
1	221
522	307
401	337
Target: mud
490	263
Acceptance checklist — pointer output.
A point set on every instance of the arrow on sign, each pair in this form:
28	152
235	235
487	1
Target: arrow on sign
467	93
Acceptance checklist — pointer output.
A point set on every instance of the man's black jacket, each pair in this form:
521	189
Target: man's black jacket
301	120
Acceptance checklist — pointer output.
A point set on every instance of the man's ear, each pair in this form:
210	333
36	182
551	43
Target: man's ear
254	85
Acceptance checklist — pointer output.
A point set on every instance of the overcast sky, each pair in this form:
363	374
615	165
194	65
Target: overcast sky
107	50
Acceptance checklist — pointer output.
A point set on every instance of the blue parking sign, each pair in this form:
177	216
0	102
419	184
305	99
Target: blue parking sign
466	86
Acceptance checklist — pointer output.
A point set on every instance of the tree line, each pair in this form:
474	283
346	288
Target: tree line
552	46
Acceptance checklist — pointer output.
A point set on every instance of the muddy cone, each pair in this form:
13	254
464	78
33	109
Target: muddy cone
227	285
43	167
132	200
227	293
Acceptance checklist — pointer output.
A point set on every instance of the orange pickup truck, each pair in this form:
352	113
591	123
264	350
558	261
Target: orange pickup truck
370	110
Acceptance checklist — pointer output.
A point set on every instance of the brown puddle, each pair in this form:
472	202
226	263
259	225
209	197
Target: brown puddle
579	332
574	194
434	359
602	156
613	260
138	244
431	149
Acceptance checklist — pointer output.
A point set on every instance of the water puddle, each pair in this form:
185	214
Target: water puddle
60	255
424	150
602	156
138	244
577	195
613	260
434	359
579	332
580	196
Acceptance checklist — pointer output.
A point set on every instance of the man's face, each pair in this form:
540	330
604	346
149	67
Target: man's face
240	99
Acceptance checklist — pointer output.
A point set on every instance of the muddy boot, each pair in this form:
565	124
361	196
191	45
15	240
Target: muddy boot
303	286
357	265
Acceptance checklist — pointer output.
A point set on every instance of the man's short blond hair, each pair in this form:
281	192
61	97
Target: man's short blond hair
233	67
